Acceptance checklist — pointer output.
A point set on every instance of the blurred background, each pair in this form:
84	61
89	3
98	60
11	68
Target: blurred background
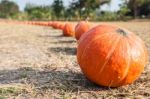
74	10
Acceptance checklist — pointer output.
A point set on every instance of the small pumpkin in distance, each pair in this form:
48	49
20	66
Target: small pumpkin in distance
61	26
56	25
68	29
44	23
50	23
111	56
53	24
81	28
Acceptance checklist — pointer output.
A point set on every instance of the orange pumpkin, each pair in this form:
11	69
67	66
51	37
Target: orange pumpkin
111	56
44	23
61	26
50	23
32	23
38	23
68	29
81	28
55	25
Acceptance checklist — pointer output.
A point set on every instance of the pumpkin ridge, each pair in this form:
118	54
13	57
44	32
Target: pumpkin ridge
127	70
137	44
109	55
93	41
129	43
128	65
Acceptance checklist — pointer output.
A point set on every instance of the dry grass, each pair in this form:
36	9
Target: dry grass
38	62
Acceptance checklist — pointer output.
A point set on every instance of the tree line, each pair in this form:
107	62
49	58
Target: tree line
77	10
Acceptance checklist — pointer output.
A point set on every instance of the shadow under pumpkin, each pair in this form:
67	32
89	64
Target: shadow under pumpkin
49	79
64	50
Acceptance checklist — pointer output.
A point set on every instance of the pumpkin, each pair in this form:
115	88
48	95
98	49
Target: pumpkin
81	28
55	25
68	29
111	56
61	26
32	23
38	23
49	23
44	23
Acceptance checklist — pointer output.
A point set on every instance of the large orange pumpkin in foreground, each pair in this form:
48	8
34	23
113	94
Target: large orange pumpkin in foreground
81	28
111	56
68	29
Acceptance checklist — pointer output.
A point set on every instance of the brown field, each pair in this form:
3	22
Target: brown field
38	62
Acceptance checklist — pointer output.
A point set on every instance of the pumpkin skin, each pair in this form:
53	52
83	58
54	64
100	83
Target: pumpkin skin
55	25
111	56
81	28
61	26
50	23
68	29
44	23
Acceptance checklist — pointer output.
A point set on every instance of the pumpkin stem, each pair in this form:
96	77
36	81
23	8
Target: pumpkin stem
122	32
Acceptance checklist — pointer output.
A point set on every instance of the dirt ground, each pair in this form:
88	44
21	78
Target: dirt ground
38	62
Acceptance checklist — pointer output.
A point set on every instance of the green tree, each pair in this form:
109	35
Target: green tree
136	5
86	8
58	8
124	10
145	9
38	12
8	8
